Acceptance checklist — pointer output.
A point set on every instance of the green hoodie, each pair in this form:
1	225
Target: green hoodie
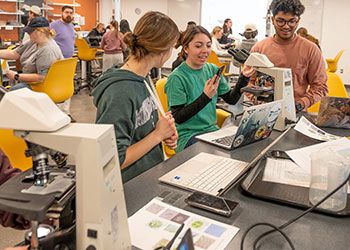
122	99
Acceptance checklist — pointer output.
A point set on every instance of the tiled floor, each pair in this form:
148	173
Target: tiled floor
82	110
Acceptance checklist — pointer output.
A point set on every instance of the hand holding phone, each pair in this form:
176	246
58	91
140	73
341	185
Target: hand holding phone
211	203
211	86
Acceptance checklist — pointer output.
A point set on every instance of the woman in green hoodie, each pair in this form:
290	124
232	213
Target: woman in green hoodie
122	99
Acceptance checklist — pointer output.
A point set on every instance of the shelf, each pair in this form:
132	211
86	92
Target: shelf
53	14
11	26
11	13
13	1
64	4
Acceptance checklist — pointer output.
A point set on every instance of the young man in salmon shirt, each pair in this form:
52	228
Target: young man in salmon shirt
286	49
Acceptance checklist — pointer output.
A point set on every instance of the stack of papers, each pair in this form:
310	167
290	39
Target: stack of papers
155	225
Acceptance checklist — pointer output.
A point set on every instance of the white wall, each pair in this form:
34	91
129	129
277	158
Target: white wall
106	11
336	34
180	11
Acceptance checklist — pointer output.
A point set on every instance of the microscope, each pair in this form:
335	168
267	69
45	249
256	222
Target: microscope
84	203
271	84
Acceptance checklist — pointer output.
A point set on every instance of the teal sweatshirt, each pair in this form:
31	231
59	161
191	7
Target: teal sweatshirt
122	99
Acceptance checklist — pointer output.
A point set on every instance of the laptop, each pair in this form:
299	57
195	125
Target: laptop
207	173
256	124
334	112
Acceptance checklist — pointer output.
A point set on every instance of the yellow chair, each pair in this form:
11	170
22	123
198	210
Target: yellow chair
59	81
214	59
336	88
221	114
333	62
88	54
160	85
14	148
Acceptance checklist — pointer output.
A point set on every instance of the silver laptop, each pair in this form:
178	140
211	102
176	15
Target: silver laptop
256	124
207	173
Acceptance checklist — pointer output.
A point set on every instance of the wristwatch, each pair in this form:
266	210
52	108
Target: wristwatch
299	107
16	77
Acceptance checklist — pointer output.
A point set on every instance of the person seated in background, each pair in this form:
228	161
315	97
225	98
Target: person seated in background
6	172
219	49
33	12
191	24
95	35
304	33
249	40
193	89
226	32
36	55
288	50
122	98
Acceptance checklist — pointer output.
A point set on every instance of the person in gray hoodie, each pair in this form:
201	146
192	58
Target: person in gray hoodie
122	99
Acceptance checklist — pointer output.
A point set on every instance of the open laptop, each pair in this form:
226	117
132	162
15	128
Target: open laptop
256	124
206	173
334	112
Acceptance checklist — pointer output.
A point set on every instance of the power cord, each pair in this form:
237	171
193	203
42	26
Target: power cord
280	228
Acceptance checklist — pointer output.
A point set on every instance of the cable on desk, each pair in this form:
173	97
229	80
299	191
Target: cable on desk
280	228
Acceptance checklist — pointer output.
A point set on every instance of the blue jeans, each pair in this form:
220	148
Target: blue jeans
20	85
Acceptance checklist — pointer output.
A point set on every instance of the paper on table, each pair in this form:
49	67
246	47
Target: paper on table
286	172
302	156
307	128
156	223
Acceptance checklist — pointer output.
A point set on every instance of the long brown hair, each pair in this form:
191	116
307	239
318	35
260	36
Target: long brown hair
115	25
153	33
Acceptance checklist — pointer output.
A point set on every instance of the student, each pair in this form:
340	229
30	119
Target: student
288	50
249	34
124	26
304	33
122	99
36	55
95	35
7	172
34	11
64	29
192	90
113	46
227	31
218	48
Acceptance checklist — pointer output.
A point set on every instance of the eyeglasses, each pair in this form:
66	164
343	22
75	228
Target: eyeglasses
291	23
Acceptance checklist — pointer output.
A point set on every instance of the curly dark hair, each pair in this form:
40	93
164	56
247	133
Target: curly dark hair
287	6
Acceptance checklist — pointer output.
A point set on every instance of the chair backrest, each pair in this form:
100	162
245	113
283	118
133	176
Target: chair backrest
160	85
336	88
214	59
333	62
85	53
59	81
14	148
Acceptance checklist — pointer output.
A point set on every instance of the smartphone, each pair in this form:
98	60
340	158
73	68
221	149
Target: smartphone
212	203
219	72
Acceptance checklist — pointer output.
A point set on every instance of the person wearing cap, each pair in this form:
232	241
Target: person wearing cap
36	55
34	11
249	40
288	50
64	29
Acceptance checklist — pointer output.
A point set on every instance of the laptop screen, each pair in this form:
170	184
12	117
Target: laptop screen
257	123
334	112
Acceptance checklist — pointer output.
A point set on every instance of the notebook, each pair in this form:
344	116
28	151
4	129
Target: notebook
256	124
207	173
334	112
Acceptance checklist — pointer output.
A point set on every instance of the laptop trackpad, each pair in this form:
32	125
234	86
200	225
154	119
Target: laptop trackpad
228	131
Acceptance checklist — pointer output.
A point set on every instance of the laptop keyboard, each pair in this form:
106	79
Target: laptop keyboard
217	172
226	141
